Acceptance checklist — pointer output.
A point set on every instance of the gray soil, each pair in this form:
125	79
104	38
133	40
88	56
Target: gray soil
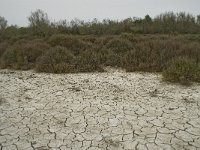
113	110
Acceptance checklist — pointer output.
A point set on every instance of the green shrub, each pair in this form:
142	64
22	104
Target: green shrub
130	61
191	50
23	55
107	57
71	42
119	45
3	47
9	58
90	39
182	70
56	60
71	53
88	61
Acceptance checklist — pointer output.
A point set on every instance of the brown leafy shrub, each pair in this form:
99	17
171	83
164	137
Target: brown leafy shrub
130	61
88	39
145	56
88	61
108	57
3	47
182	70
89	53
71	42
119	45
56	60
9	58
23	55
101	41
191	50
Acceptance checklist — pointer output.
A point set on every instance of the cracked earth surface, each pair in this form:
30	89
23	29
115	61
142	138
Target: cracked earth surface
97	111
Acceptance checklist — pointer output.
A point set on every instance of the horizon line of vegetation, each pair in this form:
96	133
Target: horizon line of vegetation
168	22
168	43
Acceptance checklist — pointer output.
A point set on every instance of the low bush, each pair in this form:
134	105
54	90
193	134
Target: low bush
3	47
88	61
119	45
182	70
107	57
73	43
62	53
56	60
23	55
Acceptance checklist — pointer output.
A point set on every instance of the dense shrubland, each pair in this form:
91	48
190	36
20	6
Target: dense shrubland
168	43
182	70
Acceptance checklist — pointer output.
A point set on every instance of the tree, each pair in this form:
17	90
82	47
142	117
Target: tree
39	22
198	19
147	19
38	18
3	23
146	24
165	22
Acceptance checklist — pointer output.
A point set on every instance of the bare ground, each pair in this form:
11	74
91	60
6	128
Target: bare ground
113	110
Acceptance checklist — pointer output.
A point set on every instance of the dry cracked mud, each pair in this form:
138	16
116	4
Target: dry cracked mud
96	111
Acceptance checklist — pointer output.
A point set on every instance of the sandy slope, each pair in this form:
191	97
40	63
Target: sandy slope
113	110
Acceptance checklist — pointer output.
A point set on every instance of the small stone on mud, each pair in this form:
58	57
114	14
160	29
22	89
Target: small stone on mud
114	122
59	93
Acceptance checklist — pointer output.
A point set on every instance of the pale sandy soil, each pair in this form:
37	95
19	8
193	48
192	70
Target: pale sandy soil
114	110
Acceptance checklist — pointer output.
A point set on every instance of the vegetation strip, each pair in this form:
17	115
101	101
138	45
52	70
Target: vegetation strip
166	43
